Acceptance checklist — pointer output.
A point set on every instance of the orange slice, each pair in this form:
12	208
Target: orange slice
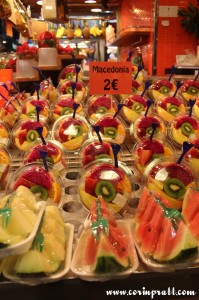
4	158
55	192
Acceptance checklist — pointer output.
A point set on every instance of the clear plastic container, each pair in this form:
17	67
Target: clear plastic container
5	165
4	135
69	73
161	89
189	90
29	109
10	113
80	92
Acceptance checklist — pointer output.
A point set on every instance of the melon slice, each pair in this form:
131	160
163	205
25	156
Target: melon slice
142	204
190	205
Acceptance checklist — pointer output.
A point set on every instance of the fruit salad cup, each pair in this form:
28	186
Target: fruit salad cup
100	105
183	128
193	155
4	135
140	77
46	185
161	89
55	154
47	90
102	178
24	133
80	92
10	113
64	106
71	132
5	163
111	129
29	109
170	180
69	73
137	88
92	150
146	151
170	107
134	106
190	90
142	127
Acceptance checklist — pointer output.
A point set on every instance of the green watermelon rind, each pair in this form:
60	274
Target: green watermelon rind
182	257
107	264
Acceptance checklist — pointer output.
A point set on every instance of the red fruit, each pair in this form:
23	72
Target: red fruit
144	156
139	99
193	152
196	144
135	84
39	176
24	182
98	170
179	172
66	102
31	125
153	145
79	86
87	159
107	122
178	122
188	84
39	103
90	184
147	121
102	101
22	136
173	100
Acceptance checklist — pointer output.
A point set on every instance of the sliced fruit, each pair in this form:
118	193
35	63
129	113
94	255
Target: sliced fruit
55	192
66	111
106	189
32	135
74	143
187	129
144	156
174	188
110	132
39	191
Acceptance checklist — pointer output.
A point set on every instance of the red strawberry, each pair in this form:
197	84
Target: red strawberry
107	122
139	99
188	84
102	101
147	121
24	182
39	176
66	102
42	104
173	100
90	184
179	172
98	170
153	145
22	136
30	125
144	156
135	84
178	122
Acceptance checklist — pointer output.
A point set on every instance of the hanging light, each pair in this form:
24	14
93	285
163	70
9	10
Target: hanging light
40	2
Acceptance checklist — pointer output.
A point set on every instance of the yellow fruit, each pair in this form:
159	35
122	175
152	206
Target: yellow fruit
4	158
73	144
78	32
3	132
129	114
86	198
55	192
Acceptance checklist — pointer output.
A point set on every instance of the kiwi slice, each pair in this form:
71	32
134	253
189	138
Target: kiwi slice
66	110
32	113
100	156
164	90
137	107
69	90
69	76
192	90
187	128
79	131
39	191
174	188
101	110
110	132
32	135
173	109
106	190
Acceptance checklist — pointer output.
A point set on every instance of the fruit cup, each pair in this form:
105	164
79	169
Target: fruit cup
170	180
112	129
103	178
29	109
142	127
45	184
47	90
55	154
10	113
64	106
190	90
71	132
137	88
148	150
99	105
5	163
69	73
161	89
4	135
192	155
24	133
80	91
183	128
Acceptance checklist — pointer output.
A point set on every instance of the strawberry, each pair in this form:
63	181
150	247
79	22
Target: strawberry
24	182
144	156
147	121
90	184
173	100
22	136
179	172
68	102
39	176
189	83
153	145
42	104
30	125
178	122
139	99
102	101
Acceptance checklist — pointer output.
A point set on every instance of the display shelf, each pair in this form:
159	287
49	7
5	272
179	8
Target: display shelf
130	35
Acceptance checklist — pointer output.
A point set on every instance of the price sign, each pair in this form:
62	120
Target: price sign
110	77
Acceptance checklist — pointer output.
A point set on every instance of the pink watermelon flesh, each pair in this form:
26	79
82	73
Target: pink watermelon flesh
194	226
190	205
142	204
105	211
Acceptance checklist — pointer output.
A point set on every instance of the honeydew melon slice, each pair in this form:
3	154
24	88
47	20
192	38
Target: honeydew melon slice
55	250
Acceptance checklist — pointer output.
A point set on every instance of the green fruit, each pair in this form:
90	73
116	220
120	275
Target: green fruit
49	159
32	135
79	131
69	76
110	132
192	90
101	110
187	129
164	90
174	188
32	113
66	110
137	107
100	156
40	191
69	90
134	90
106	190
173	109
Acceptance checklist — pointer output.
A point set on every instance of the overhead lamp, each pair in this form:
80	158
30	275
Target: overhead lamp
90	1
96	9
39	2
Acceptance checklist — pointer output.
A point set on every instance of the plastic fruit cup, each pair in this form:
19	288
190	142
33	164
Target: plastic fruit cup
134	106
103	178
69	73
9	115
183	128
64	106
142	127
92	150
99	105
161	89
24	133
147	151
46	185
170	180
5	163
29	109
190	90
4	135
55	154
192	155
111	129
170	108
80	92
71	132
